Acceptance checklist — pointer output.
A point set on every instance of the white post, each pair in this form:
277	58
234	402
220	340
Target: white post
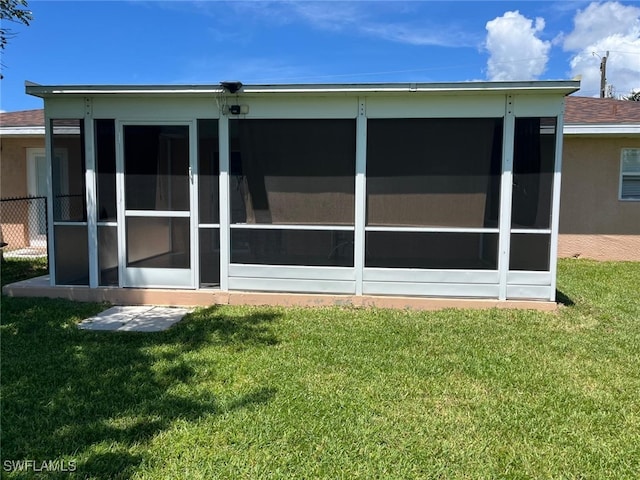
193	205
90	192
555	205
506	186
360	193
48	145
225	236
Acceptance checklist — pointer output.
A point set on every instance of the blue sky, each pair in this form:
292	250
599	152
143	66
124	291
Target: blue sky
205	42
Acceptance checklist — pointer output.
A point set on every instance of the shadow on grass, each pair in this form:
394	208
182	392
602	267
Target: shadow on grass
14	270
93	397
564	299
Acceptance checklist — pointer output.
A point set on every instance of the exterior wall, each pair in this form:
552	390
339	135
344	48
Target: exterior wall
593	222
13	183
13	164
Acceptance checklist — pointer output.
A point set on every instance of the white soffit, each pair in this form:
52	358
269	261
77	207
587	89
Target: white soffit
601	129
34	131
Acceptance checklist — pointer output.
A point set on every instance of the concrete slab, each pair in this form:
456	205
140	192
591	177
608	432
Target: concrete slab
143	318
41	287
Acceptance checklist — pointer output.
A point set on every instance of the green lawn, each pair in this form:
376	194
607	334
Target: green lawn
240	392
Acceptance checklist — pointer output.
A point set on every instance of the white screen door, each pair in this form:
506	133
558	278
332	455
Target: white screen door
156	247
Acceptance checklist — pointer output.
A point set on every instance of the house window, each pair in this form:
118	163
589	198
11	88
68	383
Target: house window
630	174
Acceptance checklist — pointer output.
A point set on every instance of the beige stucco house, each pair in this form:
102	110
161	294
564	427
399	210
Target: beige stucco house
600	199
23	173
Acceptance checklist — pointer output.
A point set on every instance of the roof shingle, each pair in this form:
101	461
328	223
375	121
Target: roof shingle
24	118
590	110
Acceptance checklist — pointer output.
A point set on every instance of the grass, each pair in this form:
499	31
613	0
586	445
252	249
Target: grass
13	270
241	392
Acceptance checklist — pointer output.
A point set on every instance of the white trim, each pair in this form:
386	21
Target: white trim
225	208
157	277
48	146
526	292
107	224
559	86
208	225
299	272
287	226
506	192
120	217
157	213
432	229
555	206
70	224
601	129
154	277
90	179
523	277
194	205
360	218
456	290
414	275
314	286
35	131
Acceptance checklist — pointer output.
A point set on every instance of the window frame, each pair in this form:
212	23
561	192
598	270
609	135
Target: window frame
624	174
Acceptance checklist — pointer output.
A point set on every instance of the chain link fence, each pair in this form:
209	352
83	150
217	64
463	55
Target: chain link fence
23	228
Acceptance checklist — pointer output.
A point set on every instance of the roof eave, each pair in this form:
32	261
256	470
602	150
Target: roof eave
601	129
565	87
32	131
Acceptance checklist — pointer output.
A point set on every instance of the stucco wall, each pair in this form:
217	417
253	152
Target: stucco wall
13	183
593	222
13	165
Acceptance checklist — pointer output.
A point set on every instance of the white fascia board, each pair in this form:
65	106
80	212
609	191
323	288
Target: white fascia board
601	129
35	131
565	87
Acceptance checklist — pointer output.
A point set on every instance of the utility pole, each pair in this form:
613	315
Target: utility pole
603	75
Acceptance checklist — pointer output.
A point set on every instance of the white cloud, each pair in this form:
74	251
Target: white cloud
603	27
515	51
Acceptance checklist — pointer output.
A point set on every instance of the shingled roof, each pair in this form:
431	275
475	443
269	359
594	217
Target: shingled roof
589	110
24	118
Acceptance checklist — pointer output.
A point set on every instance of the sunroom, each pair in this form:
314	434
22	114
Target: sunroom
419	190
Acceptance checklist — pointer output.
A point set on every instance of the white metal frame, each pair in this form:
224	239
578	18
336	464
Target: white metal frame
62	155
173	106
156	277
312	279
